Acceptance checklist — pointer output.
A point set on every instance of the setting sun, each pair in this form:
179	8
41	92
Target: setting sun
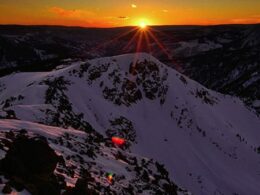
142	24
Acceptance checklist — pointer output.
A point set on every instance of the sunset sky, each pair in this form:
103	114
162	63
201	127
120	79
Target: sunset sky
110	13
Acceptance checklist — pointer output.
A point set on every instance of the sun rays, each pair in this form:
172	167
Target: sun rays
141	38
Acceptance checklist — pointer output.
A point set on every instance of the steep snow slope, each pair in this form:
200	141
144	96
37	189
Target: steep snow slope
207	141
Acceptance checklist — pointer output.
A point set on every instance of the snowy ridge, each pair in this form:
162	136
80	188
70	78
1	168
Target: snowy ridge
208	142
68	142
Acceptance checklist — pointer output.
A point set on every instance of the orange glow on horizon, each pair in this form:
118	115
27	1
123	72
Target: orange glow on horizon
120	13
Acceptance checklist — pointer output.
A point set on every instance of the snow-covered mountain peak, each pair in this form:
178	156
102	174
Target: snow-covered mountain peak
199	135
126	59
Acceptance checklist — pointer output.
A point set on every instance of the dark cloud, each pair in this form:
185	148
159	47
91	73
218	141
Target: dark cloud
123	17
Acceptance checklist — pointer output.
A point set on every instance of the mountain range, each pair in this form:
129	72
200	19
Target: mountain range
224	58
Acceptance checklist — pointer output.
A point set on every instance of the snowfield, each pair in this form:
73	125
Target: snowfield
208	142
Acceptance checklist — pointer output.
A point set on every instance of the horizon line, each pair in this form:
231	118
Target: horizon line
127	26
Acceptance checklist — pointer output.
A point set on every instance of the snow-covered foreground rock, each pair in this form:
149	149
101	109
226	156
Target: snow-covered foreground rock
208	143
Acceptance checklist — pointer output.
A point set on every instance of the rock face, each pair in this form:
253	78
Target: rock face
29	157
82	186
30	163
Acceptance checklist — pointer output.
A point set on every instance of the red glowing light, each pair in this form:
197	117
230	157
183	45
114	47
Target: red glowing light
118	141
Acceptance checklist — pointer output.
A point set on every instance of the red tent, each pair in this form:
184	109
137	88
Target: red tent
118	141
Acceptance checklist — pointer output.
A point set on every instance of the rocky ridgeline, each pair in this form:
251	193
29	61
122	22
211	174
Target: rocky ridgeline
62	114
144	79
47	173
